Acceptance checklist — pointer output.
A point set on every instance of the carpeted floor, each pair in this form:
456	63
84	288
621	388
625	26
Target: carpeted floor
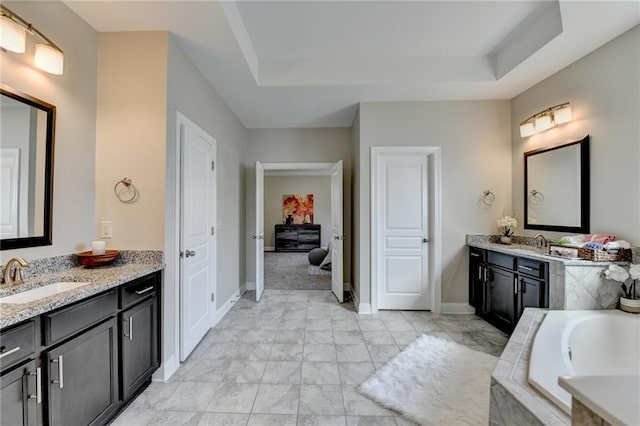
290	271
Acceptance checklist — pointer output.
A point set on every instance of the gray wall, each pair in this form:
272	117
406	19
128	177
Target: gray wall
74	95
297	145
604	91
276	186
476	155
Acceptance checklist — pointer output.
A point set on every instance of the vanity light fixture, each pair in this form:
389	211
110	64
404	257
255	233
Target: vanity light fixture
13	29
545	120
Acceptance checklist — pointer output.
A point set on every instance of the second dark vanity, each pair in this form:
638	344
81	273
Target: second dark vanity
502	285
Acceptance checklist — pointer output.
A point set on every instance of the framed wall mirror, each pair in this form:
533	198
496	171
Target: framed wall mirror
556	188
27	131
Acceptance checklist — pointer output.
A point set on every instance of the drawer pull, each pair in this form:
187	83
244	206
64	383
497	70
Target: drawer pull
60	363
9	352
475	255
526	268
130	328
38	395
146	290
515	286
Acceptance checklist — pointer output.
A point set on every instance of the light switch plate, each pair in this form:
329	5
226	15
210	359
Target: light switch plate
105	229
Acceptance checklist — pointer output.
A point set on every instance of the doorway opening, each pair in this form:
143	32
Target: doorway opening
299	227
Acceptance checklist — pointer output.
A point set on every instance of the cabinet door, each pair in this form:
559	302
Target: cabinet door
83	378
502	298
532	294
138	345
19	396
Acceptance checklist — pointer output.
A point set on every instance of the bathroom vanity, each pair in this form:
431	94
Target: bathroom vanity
501	286
79	357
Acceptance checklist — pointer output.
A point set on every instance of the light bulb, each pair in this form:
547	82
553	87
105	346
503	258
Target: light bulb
13	36
49	59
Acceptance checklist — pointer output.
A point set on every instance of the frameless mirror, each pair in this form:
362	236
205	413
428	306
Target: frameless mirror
26	170
556	188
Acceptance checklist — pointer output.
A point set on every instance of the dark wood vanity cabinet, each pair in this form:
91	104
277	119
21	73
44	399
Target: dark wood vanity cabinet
83	377
81	364
297	237
501	286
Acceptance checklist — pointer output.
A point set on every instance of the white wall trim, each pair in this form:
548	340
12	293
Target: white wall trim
269	248
166	369
436	237
362	308
249	285
243	289
457	308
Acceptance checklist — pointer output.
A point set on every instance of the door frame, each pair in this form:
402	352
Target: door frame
306	169
435	202
173	253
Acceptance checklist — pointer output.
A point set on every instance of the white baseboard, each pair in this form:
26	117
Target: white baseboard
269	249
457	308
243	289
166	370
362	308
346	286
249	285
220	313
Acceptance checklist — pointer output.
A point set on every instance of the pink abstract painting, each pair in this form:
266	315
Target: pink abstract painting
299	206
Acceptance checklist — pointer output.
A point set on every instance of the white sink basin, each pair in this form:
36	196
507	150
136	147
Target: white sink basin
41	292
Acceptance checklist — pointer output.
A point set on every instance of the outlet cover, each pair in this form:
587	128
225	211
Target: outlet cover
105	229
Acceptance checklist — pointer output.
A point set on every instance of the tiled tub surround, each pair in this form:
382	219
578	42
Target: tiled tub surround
513	400
129	266
573	284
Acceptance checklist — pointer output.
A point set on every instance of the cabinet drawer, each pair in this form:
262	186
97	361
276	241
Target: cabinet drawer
17	343
501	259
65	322
477	255
137	290
532	267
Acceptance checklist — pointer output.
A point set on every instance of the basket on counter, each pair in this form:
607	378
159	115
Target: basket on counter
604	255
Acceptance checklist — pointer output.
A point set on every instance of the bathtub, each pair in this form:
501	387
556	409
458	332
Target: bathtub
583	343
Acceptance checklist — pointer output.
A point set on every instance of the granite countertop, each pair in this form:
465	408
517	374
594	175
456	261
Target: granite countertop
132	265
528	250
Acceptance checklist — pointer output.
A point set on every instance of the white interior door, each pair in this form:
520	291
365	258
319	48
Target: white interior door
9	191
197	239
259	235
402	234
337	243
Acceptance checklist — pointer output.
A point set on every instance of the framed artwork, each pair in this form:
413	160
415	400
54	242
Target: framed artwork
297	208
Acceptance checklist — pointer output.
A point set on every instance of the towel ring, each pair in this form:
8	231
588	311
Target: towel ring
488	197
536	198
127	186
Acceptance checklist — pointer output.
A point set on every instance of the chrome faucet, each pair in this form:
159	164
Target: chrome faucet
543	242
16	277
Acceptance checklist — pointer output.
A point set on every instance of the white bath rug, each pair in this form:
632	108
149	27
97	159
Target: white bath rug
435	382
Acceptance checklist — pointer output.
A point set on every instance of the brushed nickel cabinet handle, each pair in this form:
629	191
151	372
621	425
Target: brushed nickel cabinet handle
60	363
526	268
515	286
9	352
146	290
130	328
38	395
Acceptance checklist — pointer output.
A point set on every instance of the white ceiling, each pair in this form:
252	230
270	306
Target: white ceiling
309	63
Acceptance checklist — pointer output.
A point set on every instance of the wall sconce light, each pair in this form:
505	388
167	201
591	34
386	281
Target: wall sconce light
545	120
13	36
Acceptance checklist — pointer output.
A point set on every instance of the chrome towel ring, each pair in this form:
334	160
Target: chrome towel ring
125	191
488	198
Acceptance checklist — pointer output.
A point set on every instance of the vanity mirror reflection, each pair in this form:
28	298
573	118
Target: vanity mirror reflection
27	128
556	188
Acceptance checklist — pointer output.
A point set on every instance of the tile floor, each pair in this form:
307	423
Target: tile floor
295	358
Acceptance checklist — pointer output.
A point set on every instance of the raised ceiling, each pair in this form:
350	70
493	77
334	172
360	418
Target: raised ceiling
309	63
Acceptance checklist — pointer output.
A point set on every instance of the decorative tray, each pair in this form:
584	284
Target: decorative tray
91	260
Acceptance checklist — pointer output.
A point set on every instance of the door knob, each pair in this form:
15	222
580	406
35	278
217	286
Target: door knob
426	240
253	237
189	253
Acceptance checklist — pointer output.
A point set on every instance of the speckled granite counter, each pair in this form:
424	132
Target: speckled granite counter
130	265
573	284
513	400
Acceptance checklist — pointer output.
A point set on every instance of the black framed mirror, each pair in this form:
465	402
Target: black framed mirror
556	188
27	133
